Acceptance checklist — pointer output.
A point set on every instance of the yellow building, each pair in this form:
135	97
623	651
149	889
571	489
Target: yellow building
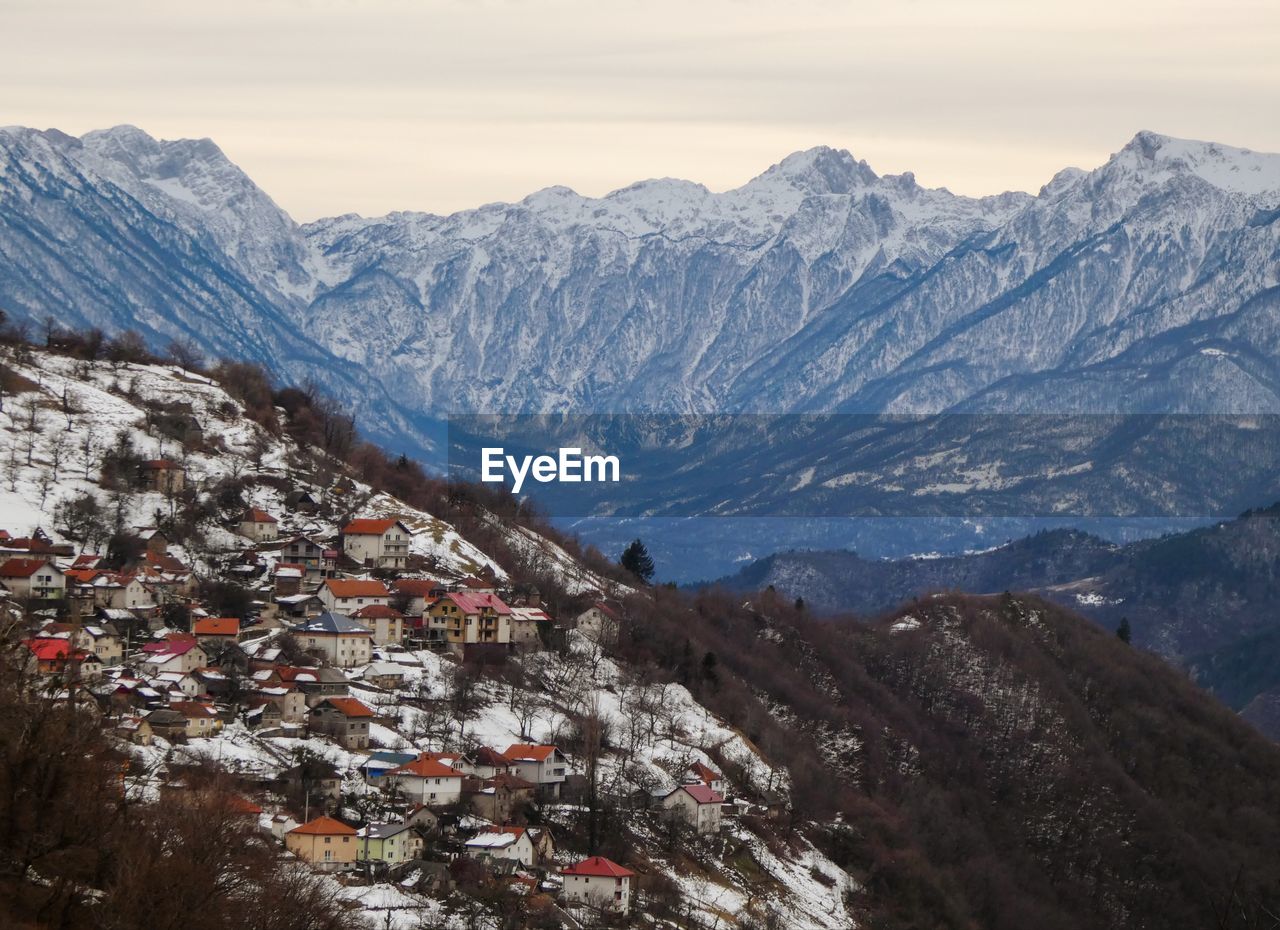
324	842
464	618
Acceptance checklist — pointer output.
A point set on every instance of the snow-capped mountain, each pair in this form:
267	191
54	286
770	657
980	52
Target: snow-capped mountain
1149	283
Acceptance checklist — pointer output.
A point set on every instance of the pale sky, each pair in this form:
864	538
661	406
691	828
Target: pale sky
337	106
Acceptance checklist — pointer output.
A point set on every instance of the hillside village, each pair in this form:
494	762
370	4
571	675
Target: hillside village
390	705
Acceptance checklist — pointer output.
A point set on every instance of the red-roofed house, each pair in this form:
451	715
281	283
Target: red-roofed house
545	766
697	805
461	618
345	719
707	776
58	656
163	476
180	654
258	525
202	719
427	781
418	591
382	543
216	630
35	578
349	595
324	842
600	883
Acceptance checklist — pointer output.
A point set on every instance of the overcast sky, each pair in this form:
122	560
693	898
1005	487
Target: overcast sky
368	106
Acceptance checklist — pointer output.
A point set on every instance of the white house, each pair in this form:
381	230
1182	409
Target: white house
697	805
503	843
34	578
258	525
343	642
545	766
173	655
427	781
598	622
349	595
380	543
600	883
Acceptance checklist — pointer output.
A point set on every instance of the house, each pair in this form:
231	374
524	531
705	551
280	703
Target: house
545	766
515	843
288	577
313	778
340	640
392	843
179	654
485	762
415	593
386	622
525	624
381	543
116	591
201	719
344	719
303	550
599	883
324	842
162	476
464	618
156	540
427	781
59	656
502	796
598	622
263	715
697	805
103	640
387	675
380	763
702	774
35	578
216	630
288	701
258	525
349	595
316	684
167	724
135	729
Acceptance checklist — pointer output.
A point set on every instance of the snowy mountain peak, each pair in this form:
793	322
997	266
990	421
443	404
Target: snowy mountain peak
819	170
1230	169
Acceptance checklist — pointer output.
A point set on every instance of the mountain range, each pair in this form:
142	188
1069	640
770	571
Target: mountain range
1148	284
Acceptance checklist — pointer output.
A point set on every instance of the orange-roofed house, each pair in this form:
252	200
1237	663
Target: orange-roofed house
33	578
380	543
343	719
347	595
599	883
427	781
545	766
707	775
324	842
163	476
258	525
216	630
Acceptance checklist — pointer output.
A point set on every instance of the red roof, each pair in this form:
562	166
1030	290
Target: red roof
470	603
324	826
82	575
707	775
374	611
241	805
368	527
47	650
599	866
193	709
21	568
339	587
254	515
520	752
701	793
159	465
349	707
217	626
425	767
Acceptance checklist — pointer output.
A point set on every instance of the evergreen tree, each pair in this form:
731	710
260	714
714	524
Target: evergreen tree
1123	631
636	559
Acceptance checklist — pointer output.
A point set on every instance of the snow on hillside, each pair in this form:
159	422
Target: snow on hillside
81	410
